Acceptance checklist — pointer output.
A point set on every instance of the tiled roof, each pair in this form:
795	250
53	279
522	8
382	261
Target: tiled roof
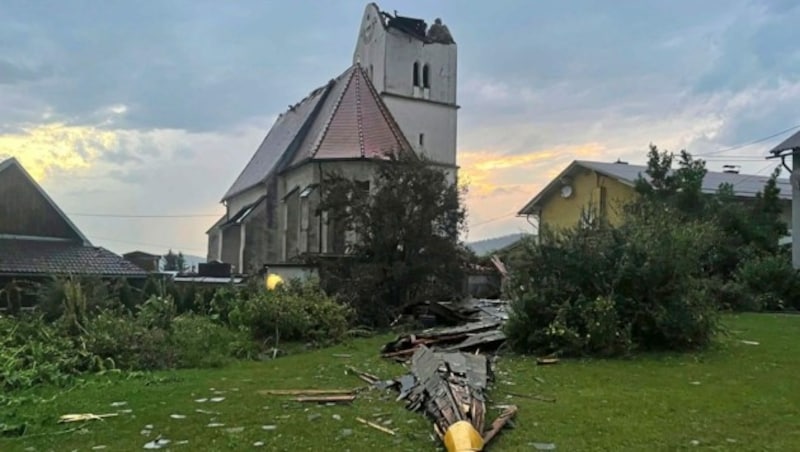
46	257
352	123
283	132
744	185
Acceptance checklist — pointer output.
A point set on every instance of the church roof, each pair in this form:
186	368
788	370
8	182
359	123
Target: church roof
353	123
346	119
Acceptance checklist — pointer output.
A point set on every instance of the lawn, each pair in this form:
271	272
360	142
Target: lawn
737	396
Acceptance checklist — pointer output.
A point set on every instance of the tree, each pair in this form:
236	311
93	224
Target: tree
174	262
406	231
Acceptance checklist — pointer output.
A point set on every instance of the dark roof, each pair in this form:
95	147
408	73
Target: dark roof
47	257
278	139
141	254
12	162
744	185
791	143
345	119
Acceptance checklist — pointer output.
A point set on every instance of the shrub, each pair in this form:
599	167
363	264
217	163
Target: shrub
129	343
768	282
606	291
200	342
296	311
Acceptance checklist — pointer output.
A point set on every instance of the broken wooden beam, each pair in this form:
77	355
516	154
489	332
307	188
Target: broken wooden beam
326	398
300	392
375	426
499	423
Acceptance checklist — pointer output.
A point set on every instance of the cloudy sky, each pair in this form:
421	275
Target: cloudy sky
136	117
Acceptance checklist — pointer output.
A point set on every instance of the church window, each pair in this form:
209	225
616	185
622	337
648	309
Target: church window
426	81
422	139
416	74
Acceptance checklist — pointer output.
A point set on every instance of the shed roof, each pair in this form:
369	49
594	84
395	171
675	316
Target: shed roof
744	185
791	143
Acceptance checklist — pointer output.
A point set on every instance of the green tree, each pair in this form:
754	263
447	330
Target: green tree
406	230
174	262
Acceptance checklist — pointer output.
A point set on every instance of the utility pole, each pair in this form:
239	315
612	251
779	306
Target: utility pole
791	148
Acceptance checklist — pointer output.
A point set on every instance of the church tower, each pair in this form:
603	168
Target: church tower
413	67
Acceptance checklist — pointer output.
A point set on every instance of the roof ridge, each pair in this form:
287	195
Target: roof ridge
330	117
359	116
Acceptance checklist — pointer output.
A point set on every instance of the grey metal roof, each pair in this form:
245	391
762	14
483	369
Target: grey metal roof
283	132
744	185
50	257
793	142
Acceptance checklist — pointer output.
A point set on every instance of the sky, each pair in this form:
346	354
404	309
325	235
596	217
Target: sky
137	117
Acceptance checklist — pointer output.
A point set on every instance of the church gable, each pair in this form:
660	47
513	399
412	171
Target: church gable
354	123
26	210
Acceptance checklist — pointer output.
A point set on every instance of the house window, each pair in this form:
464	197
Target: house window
370	72
422	139
426	81
416	74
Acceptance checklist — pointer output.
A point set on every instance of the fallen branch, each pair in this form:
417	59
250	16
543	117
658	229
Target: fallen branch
375	426
84	417
532	397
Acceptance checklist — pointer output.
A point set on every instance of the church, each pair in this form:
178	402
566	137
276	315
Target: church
398	95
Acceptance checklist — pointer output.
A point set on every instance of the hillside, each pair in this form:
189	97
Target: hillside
483	247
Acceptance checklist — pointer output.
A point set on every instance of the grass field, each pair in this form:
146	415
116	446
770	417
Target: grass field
737	396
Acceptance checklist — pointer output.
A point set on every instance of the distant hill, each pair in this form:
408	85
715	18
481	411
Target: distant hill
193	260
484	247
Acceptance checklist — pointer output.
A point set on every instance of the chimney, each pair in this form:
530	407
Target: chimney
620	162
731	169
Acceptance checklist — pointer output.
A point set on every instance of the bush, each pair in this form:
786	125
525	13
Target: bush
296	311
768	283
607	291
200	342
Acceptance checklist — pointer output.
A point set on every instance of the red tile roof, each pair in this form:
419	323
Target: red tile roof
353	123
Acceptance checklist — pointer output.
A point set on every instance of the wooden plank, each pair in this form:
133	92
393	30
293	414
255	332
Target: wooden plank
375	426
326	398
499	423
305	391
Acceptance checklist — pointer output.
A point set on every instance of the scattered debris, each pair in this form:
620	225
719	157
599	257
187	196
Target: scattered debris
327	398
177	416
269	428
532	397
543	446
258	444
157	443
479	325
216	399
305	392
336	417
546	360
375	426
215	425
203	400
205	411
749	342
181	442
118	404
84	417
346	432
234	430
342	355
99	447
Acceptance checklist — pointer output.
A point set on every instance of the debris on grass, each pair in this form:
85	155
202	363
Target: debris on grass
234	429
305	392
327	399
269	428
216	399
177	416
158	443
749	342
118	404
543	446
543	361
84	417
258	444
202	400
375	426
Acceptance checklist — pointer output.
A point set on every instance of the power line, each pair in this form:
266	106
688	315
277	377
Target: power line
739	146
109	215
493	219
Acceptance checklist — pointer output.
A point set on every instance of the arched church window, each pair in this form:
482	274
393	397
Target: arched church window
416	74
426	81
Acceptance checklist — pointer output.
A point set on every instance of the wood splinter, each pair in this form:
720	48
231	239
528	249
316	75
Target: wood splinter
375	426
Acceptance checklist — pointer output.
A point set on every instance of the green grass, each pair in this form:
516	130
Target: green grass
733	397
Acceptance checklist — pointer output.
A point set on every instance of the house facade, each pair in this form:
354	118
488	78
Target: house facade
397	96
585	189
37	240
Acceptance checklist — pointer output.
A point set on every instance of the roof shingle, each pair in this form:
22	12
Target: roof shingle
44	257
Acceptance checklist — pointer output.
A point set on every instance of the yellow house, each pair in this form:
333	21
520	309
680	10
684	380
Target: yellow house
586	189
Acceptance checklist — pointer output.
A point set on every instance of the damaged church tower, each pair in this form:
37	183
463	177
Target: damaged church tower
413	67
397	95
